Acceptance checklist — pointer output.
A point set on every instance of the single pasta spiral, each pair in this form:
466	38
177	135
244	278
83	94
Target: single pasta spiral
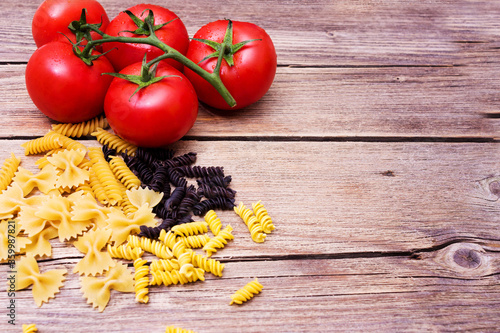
219	241
152	246
125	252
263	217
114	142
105	175
8	170
141	280
167	278
31	328
191	228
164	265
208	265
173	329
247	292
214	223
252	223
123	173
41	145
81	129
168	238
195	241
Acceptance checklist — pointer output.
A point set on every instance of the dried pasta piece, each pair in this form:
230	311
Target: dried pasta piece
42	144
67	161
168	238
45	285
208	265
39	245
195	241
66	142
87	209
164	265
114	142
141	280
9	234
97	290
123	225
219	241
214	223
173	329
78	130
45	180
247	292
57	211
123	173
127	207
8	170
95	261
187	273
149	245
11	201
29	328
191	228
263	217
142	196
97	188
125	252
105	175
252	223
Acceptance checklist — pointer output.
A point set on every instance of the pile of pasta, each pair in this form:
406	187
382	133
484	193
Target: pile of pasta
117	203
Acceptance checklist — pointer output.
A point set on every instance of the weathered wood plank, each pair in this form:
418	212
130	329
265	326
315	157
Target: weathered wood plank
353	197
325	103
342	33
330	294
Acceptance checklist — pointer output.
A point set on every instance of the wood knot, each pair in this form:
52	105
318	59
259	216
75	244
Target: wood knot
495	187
467	258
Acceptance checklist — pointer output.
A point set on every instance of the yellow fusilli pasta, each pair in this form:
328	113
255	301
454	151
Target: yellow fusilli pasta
173	329
66	142
164	265
31	328
125	252
247	292
191	228
42	144
252	223
150	245
263	217
195	241
208	265
105	175
8	170
81	129
123	173
214	223
141	280
114	141
219	241
187	273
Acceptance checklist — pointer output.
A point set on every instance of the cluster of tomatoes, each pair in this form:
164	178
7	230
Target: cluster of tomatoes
69	90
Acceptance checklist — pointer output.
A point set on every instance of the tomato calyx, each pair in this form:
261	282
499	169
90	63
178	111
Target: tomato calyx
145	79
226	49
82	29
146	26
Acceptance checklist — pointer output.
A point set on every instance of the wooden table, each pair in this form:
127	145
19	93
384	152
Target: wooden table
376	153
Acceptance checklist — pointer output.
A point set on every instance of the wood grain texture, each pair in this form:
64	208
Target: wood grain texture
325	103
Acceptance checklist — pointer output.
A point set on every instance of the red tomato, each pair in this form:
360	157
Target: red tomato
156	115
254	66
53	17
63	87
173	34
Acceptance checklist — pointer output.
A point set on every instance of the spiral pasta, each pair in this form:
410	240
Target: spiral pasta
123	173
168	238
105	176
8	170
263	217
247	292
187	273
141	280
195	241
66	142
114	141
173	329
189	229
164	265
125	252
214	223
97	187
78	130
152	246
219	241
31	328
41	145
252	223
208	265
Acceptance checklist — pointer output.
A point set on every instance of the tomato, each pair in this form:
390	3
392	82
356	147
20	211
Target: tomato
156	115
63	87
53	17
252	73
173	34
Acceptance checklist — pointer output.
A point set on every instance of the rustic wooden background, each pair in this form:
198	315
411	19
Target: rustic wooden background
376	152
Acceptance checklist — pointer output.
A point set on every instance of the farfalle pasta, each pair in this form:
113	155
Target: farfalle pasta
39	245
44	285
86	209
97	289
8	170
144	196
123	225
45	180
9	232
68	162
95	261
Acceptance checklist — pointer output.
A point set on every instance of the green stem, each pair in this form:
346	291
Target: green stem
170	53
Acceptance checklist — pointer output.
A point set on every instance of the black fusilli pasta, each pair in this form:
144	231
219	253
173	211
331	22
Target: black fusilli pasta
215	191
176	178
176	197
108	152
159	179
199	171
215	181
189	201
182	160
204	206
